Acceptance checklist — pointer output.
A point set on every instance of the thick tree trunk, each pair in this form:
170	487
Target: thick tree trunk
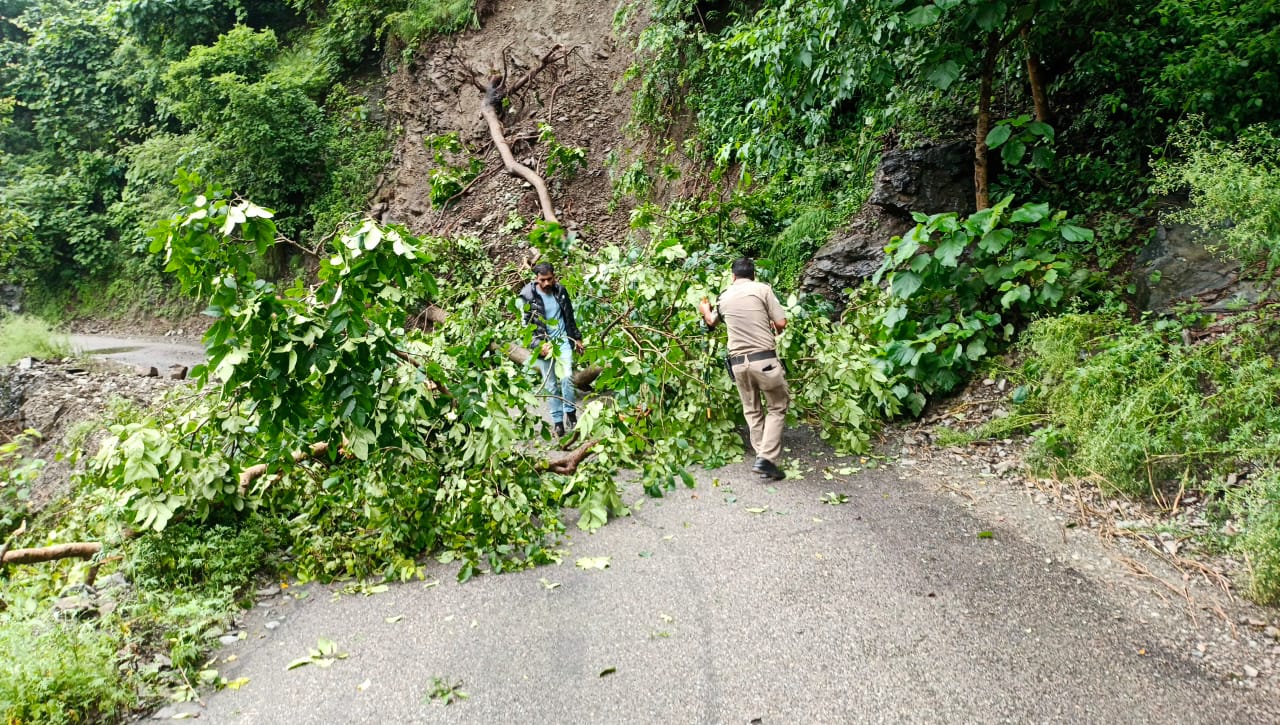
82	550
1035	76
981	173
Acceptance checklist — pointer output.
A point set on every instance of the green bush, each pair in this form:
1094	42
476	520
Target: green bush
190	556
61	672
1136	409
1258	505
1234	188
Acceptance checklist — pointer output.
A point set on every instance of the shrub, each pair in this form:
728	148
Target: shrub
1235	190
54	672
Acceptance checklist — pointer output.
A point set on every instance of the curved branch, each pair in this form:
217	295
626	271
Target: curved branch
515	168
568	464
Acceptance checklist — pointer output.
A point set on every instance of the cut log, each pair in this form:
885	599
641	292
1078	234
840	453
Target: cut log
82	550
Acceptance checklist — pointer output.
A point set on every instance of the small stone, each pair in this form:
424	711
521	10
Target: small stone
229	639
1272	632
1250	671
146	371
177	372
988	381
272	624
265	592
26	363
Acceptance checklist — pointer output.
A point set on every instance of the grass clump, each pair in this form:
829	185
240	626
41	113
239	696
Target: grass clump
22	336
1140	411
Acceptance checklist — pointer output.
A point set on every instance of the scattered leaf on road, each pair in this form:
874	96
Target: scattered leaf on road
364	685
757	509
834	499
646	554
237	683
986	535
548	584
593	562
393	620
608	671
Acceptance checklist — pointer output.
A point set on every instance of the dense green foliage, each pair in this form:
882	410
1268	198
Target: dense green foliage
1234	189
105	100
326	424
1135	409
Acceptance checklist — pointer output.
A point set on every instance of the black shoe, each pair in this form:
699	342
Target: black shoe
559	430
758	466
571	421
771	471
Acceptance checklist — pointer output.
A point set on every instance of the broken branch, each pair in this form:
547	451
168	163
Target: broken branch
256	471
568	464
82	550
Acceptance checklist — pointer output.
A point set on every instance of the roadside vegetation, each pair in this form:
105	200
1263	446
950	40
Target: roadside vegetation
22	336
331	437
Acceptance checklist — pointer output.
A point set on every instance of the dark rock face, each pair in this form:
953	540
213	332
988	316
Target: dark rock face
854	253
1175	266
929	180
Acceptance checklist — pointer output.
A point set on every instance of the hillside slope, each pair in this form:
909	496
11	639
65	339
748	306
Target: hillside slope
578	98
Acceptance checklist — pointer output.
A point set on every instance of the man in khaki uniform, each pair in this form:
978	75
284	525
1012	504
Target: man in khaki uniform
753	315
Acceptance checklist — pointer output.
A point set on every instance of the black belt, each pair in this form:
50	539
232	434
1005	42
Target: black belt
752	357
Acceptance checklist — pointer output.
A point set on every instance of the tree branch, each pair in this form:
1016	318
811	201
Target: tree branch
82	550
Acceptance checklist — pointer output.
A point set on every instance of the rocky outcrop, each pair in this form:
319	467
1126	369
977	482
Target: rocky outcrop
1176	267
930	180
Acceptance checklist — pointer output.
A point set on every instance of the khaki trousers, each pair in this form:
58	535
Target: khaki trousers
764	378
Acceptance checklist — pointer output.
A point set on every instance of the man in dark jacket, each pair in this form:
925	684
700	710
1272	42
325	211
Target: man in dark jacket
547	307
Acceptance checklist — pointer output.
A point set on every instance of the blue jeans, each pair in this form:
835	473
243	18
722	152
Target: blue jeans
557	380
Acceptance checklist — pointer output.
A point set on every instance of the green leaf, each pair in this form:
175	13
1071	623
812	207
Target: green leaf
1073	233
949	251
1021	293
1029	213
923	16
904	284
1013	152
998	135
593	562
1042	129
944	74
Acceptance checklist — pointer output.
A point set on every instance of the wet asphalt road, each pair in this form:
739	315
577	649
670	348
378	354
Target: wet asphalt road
888	608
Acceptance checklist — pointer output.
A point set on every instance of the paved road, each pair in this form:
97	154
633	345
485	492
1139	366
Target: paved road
888	608
158	353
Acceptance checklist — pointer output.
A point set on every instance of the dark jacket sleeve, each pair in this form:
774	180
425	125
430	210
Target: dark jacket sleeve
533	312
570	321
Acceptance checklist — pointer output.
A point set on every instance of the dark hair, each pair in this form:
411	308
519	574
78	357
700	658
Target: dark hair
744	268
542	268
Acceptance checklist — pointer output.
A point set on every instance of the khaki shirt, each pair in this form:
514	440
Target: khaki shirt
749	309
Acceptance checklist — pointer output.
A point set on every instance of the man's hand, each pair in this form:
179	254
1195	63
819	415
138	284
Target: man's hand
545	350
578	347
708	316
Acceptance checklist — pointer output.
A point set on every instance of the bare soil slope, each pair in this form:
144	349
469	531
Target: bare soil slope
434	95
